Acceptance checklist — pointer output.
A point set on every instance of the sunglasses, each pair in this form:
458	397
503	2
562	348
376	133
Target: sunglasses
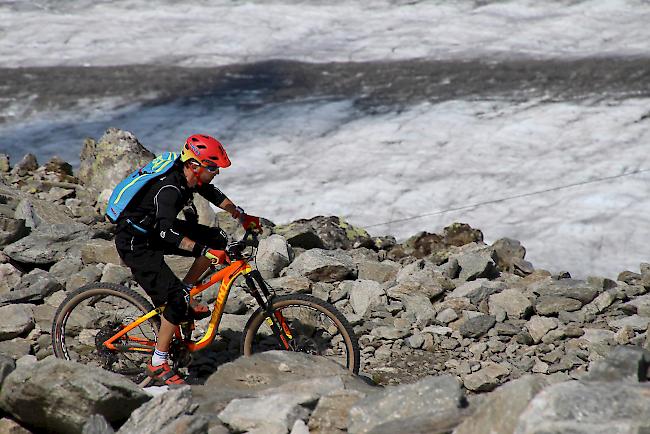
211	168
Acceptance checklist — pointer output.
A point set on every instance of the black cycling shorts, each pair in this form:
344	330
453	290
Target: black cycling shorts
145	257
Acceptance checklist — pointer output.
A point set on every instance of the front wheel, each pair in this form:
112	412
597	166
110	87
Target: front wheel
311	325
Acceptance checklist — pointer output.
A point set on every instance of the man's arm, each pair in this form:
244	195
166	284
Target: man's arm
230	207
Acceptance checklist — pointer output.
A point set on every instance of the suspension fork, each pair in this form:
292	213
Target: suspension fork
276	320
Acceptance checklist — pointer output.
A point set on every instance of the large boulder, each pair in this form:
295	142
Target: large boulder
104	163
499	412
40	214
34	287
623	363
47	247
273	254
432	401
168	412
323	265
59	395
588	408
270	373
273	414
324	232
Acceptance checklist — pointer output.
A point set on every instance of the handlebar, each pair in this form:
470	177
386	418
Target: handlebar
235	249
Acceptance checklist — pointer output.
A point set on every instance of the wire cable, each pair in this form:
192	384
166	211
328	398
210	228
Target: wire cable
516	196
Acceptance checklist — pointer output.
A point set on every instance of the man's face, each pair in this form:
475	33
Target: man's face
202	173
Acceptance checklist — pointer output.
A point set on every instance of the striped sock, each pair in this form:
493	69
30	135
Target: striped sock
159	357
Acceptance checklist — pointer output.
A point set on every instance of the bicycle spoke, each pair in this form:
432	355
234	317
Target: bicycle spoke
90	318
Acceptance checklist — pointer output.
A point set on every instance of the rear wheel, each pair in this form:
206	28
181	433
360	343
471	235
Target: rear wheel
92	314
314	326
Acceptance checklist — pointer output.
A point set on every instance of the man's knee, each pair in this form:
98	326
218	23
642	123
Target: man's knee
177	307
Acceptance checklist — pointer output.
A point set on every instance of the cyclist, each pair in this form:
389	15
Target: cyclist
148	229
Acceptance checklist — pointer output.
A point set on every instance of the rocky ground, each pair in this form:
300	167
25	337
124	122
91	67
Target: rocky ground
455	335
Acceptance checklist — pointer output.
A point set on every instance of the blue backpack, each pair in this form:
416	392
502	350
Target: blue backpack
125	190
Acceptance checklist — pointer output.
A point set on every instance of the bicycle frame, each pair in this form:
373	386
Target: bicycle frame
227	277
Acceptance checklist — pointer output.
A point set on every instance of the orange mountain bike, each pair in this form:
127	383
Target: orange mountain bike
114	327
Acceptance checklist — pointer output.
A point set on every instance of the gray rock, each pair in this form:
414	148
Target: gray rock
507	251
115	274
447	315
44	216
477	326
476	265
45	248
8	426
27	165
11	230
105	163
366	294
162	413
571	288
552	305
100	251
273	254
636	322
34	287
485	379
291	285
477	290
96	424
4	163
515	304
499	412
621	364
61	395
271	414
538	326
324	232
420	306
89	274
599	336
601	302
16	347
433	398
15	320
9	278
390	333
7	365
65	268
378	271
250	376
587	408
323	265
423	272
331	412
410	288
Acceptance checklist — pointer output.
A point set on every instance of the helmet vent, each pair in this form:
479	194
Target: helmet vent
204	136
201	146
194	139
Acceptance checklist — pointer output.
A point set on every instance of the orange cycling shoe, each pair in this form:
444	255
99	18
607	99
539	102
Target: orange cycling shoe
163	375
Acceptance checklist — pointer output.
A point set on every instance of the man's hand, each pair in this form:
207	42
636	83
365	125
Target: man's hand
250	222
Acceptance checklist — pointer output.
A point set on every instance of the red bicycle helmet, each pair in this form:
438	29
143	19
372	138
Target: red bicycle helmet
207	150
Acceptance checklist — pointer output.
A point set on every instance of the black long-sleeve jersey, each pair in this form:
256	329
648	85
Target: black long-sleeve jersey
156	206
